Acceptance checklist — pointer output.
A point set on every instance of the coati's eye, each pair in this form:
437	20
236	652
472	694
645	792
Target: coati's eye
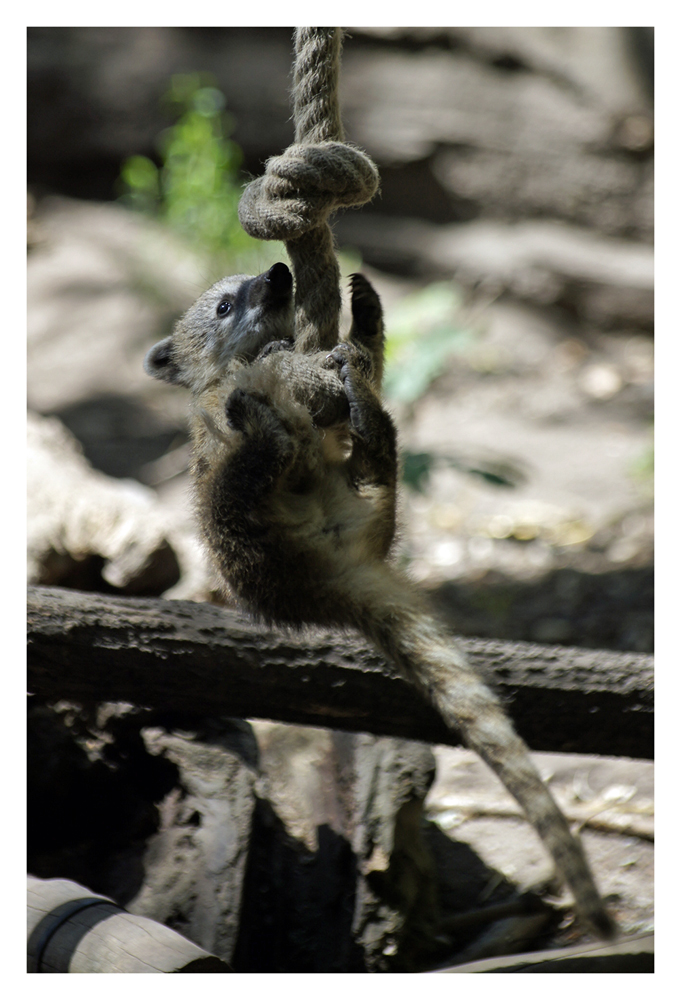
224	307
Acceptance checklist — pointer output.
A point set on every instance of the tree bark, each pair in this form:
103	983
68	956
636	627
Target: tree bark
187	658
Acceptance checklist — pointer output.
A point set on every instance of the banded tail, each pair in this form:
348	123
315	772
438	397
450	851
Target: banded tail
391	613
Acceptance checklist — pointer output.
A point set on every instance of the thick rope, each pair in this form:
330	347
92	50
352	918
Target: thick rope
316	69
300	189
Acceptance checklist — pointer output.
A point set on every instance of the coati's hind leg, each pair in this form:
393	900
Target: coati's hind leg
375	456
367	324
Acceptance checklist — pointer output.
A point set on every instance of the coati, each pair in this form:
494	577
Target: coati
295	478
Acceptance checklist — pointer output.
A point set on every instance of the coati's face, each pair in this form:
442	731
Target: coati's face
235	318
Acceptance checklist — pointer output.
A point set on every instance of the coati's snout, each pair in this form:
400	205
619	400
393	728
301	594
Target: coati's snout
278	282
269	291
235	318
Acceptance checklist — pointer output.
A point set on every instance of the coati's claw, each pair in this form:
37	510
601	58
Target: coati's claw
346	356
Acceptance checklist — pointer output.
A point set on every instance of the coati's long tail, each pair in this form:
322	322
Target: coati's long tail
391	613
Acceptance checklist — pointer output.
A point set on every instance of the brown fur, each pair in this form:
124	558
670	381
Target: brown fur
296	501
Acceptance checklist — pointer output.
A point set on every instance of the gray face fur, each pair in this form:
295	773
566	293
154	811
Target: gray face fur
235	318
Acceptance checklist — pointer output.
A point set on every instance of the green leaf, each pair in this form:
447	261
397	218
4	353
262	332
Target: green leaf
422	332
416	468
198	188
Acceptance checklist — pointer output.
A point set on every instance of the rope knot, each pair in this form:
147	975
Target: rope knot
303	186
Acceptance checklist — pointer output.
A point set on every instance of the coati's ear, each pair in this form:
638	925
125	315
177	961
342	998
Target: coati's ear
159	363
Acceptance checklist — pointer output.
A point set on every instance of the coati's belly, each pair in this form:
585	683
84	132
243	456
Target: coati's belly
288	560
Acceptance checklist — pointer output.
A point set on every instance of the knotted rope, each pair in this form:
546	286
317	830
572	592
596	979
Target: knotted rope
300	189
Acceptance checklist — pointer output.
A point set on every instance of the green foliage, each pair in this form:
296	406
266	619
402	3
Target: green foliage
198	186
417	467
423	331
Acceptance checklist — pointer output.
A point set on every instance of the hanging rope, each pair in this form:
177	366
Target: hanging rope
300	189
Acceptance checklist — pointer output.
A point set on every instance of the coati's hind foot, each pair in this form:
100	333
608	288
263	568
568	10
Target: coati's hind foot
367	323
367	314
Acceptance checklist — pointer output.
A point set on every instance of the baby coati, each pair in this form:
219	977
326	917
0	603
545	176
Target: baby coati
295	474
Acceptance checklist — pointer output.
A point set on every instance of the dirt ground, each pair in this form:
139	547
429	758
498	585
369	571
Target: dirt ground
609	799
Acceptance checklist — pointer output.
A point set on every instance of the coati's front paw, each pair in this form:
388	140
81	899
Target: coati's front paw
252	414
354	370
274	346
267	449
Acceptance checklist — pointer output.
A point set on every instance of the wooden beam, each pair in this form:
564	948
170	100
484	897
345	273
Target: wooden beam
188	658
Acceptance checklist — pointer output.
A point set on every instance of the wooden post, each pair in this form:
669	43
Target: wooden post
71	929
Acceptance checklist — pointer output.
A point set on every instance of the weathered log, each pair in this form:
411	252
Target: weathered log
71	929
178	656
630	954
86	529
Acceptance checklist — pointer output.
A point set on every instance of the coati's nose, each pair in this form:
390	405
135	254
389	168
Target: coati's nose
280	278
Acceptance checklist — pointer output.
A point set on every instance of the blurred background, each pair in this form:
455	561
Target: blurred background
511	244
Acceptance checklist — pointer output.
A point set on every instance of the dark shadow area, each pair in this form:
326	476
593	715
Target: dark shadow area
462	876
298	906
119	434
612	610
89	817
